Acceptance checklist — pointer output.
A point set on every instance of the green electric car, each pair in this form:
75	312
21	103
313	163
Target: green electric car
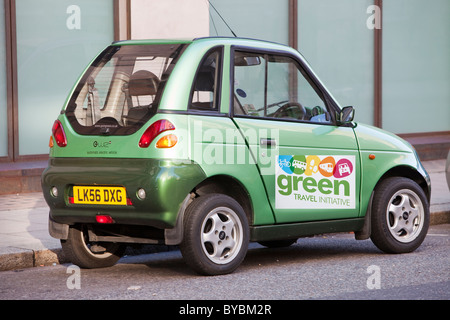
213	143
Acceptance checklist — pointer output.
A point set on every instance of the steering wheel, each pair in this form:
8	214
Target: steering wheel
287	106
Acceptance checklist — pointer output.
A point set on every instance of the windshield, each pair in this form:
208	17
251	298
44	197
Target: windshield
121	90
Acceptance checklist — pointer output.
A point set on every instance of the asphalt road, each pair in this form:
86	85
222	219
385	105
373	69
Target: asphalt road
326	267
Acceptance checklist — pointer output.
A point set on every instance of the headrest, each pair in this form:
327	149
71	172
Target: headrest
143	83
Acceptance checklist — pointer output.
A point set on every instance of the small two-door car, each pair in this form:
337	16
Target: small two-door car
212	143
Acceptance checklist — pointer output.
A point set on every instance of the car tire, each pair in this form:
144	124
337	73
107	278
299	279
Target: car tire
82	253
216	235
400	215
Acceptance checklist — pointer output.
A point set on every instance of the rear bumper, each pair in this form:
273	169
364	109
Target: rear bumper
166	184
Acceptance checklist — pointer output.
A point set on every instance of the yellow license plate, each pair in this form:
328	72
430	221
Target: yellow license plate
99	195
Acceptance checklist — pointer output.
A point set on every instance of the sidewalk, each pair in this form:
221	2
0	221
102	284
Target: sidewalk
25	242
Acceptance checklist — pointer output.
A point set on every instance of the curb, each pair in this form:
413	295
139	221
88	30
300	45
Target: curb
27	258
31	258
440	214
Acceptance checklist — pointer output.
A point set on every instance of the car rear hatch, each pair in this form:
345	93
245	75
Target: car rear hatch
111	151
122	88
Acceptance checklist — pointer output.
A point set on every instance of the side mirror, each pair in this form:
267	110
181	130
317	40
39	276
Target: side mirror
346	115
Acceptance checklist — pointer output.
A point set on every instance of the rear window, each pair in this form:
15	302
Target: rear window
121	90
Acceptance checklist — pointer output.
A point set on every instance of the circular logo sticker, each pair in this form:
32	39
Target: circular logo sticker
343	168
298	164
327	166
284	162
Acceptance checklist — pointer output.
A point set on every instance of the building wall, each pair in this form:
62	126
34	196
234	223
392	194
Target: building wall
260	19
51	53
51	42
335	39
3	96
155	19
416	65
47	44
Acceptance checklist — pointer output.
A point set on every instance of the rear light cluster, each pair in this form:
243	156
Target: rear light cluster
160	126
58	134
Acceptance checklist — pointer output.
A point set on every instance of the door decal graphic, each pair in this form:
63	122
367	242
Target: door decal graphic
315	182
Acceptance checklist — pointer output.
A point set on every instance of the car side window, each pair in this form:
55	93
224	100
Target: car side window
275	86
205	90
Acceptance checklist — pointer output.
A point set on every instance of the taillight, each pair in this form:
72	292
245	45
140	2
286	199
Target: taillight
155	129
167	141
59	134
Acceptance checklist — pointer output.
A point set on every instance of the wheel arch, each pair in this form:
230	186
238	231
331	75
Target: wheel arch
223	184
407	172
229	186
398	171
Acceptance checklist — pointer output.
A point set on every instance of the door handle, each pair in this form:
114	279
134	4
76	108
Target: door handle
268	142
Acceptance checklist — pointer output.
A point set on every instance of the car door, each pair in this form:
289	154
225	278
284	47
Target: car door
309	165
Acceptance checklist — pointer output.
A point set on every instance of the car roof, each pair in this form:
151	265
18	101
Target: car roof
241	43
237	41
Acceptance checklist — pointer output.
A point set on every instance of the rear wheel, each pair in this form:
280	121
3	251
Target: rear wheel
400	215
85	254
216	235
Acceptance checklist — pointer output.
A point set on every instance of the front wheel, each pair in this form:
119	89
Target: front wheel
216	235
400	215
